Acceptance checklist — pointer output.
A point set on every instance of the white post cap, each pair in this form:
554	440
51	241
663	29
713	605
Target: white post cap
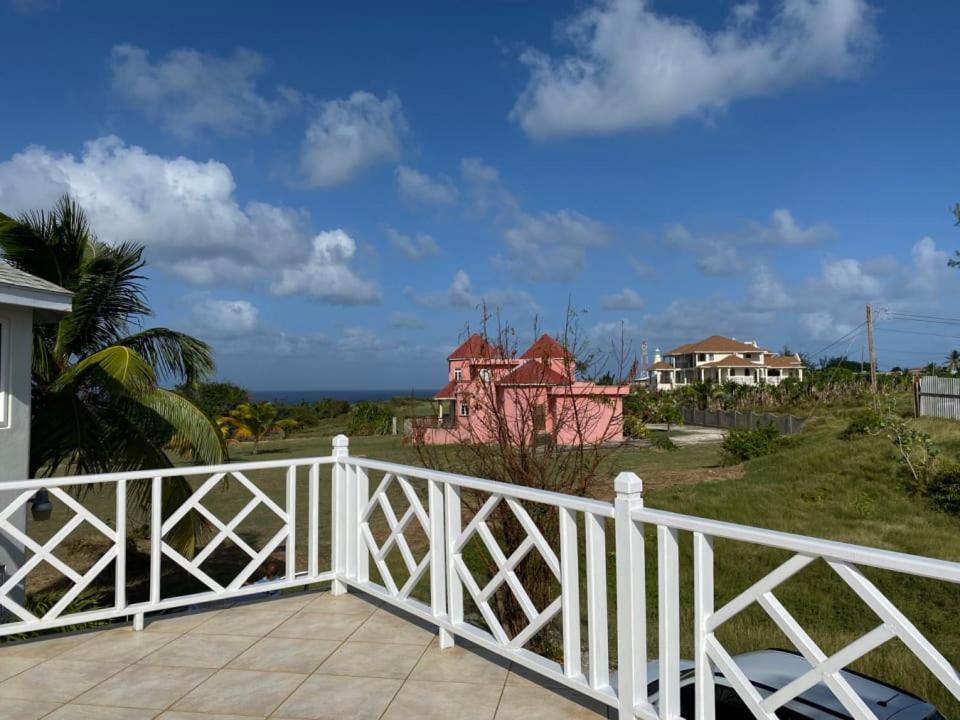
628	483
341	443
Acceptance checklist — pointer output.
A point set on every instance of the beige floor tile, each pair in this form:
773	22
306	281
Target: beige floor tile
10	666
202	716
458	664
92	712
523	677
329	697
418	700
45	648
537	703
287	602
122	645
360	659
349	604
285	655
240	621
200	651
145	686
319	626
240	692
24	709
179	622
385	627
57	680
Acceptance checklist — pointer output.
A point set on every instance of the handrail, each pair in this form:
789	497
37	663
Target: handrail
91	479
547	497
833	549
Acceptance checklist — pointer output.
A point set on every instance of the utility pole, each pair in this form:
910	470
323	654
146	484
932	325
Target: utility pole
872	350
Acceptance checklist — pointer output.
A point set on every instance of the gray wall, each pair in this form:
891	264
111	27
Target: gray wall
15	432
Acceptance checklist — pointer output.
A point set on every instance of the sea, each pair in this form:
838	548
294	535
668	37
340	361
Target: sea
295	397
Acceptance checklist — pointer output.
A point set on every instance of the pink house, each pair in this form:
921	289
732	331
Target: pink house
491	395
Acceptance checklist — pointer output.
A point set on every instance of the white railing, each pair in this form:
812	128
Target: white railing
68	491
403	534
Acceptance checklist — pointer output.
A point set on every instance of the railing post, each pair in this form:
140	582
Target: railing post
438	559
120	560
313	521
291	550
631	597
668	616
702	610
362	488
341	449
454	526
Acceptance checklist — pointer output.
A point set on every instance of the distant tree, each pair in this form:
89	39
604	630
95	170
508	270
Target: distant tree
215	398
955	262
254	421
952	364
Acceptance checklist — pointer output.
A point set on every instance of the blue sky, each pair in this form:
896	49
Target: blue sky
326	194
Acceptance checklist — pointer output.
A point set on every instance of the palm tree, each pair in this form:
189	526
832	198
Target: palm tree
98	404
952	365
254	421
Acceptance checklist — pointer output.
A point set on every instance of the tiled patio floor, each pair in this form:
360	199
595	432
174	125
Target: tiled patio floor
307	656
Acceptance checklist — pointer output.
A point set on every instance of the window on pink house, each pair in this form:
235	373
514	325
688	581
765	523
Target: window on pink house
458	374
464	409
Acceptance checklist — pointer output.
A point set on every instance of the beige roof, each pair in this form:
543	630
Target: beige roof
716	343
12	277
783	361
661	365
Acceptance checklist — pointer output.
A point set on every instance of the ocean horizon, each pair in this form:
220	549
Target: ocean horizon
309	396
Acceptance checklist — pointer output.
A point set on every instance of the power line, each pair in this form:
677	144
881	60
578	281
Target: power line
894	314
917	332
854	332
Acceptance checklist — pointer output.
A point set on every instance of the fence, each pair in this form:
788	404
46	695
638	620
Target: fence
937	397
787	424
421	558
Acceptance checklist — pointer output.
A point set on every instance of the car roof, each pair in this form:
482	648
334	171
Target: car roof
775	669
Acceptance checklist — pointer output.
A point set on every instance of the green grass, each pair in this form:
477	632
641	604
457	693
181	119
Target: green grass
817	484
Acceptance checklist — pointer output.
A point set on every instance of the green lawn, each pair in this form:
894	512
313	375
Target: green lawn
817	484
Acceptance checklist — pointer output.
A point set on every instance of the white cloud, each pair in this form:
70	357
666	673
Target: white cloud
767	292
415	247
326	274
712	255
847	278
190	92
185	212
641	268
626	299
551	245
224	319
348	136
632	67
824	326
406	321
783	229
461	295
418	187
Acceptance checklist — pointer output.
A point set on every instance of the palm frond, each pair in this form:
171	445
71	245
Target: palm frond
50	245
175	356
191	427
117	367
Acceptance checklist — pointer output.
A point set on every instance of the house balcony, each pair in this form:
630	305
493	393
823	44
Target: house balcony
344	586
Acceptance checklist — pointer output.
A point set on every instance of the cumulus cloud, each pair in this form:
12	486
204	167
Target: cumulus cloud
461	295
326	275
406	321
415	247
185	212
189	92
551	245
724	254
224	319
349	135
631	67
626	299
767	292
418	187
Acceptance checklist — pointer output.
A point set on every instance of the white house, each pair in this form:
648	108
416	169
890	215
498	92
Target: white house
720	359
25	300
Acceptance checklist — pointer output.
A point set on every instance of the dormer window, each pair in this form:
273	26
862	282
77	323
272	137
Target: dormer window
485	374
458	374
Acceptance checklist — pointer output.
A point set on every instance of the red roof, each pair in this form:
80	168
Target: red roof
474	346
448	392
546	347
533	372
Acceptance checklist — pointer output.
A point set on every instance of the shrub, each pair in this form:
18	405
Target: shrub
863	423
634	427
663	442
742	444
368	418
944	488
